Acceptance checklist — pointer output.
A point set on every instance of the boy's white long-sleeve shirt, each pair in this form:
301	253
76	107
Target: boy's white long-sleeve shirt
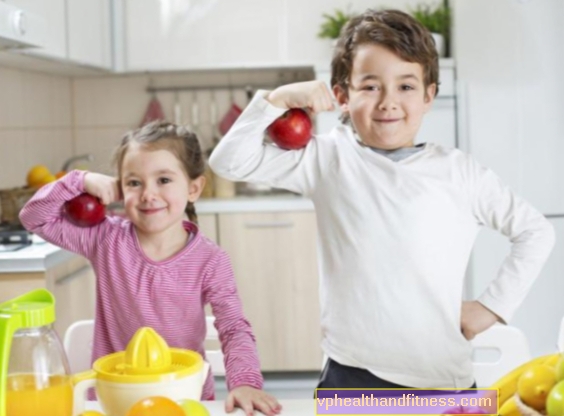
394	243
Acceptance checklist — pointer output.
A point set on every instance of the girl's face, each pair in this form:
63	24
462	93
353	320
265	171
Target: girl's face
156	189
387	97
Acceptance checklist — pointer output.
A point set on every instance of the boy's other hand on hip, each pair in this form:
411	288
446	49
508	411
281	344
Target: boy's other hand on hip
312	95
475	318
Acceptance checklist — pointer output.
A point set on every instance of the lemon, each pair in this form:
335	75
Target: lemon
534	385
92	413
36	175
193	408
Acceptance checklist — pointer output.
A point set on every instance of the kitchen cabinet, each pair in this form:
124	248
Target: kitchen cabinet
275	264
89	32
75	31
212	34
208	226
52	14
72	282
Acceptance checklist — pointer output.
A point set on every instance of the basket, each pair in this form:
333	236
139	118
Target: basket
12	201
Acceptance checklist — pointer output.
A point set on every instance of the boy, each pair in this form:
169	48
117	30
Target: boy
396	221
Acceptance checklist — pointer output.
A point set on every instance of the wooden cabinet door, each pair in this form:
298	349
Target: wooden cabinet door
208	226
74	288
275	262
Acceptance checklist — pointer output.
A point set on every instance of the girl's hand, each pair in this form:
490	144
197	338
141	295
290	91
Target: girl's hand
104	187
475	318
248	398
313	95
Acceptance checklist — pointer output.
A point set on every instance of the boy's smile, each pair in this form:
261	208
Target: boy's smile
386	98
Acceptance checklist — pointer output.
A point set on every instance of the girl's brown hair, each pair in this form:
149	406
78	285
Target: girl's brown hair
393	29
183	143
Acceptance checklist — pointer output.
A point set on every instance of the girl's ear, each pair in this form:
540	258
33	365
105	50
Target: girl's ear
342	98
195	188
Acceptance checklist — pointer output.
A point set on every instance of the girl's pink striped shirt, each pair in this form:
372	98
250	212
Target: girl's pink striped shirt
134	291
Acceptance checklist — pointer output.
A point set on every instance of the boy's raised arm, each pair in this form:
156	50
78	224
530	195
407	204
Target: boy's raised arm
242	155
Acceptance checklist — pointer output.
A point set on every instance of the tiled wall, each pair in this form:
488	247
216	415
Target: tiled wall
106	107
35	123
45	119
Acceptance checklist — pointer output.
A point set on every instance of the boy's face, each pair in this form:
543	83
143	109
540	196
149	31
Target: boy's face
386	98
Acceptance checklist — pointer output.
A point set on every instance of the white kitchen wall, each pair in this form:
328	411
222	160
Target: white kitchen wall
35	123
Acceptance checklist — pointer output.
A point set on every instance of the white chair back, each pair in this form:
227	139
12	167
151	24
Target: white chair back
78	345
214	355
510	344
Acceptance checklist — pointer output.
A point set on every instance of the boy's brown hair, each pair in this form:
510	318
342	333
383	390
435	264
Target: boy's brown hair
393	29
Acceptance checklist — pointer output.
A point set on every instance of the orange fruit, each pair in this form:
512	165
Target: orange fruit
156	406
47	179
534	385
36	175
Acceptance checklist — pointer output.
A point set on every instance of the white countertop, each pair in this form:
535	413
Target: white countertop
302	407
271	203
36	257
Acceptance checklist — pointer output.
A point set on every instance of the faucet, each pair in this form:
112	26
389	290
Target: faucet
88	157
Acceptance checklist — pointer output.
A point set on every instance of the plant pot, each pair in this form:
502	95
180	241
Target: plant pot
440	44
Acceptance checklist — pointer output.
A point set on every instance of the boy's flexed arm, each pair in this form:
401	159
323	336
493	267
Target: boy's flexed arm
531	236
242	155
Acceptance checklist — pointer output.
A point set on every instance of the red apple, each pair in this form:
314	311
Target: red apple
85	210
292	130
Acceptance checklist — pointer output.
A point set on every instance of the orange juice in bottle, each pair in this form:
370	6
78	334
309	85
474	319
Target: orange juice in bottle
38	395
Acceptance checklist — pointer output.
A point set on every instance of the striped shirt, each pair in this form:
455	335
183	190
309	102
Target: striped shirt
134	291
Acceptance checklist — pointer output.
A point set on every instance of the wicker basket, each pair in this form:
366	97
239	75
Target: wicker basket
12	201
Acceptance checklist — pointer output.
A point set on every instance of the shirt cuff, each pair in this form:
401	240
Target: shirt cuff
251	379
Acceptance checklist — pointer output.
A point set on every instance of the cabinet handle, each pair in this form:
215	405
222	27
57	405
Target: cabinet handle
72	276
269	224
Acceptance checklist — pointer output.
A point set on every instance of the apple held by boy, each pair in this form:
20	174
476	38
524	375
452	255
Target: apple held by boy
292	130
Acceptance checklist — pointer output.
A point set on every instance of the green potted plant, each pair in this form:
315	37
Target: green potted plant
333	23
436	18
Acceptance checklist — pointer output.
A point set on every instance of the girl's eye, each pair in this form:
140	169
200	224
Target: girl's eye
370	88
164	180
132	183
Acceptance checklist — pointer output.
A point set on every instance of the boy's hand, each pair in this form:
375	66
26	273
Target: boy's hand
313	95
475	318
248	398
102	186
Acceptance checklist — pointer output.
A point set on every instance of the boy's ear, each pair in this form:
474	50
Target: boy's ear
430	92
342	98
195	188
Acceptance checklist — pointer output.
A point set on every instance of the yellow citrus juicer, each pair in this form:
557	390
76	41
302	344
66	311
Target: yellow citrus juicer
148	367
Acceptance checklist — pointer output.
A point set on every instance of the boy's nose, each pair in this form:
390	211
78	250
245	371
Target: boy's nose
387	101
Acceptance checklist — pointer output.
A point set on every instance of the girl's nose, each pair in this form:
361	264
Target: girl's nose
148	193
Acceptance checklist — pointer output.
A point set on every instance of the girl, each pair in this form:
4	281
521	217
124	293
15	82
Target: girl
155	268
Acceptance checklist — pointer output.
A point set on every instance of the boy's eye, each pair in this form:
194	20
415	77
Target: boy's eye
370	88
406	87
132	183
164	180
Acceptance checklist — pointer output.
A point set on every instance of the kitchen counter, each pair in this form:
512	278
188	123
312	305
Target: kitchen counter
290	407
270	203
37	257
